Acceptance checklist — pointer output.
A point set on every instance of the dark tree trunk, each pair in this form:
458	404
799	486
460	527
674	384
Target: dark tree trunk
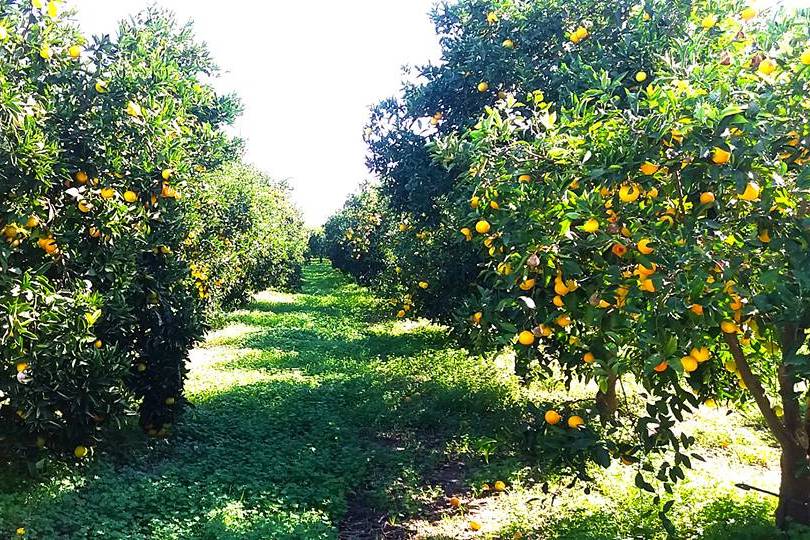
607	402
794	492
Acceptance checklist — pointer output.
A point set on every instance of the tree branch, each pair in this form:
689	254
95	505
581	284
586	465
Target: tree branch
781	433
787	380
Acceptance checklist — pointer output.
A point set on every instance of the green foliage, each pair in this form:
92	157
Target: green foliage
244	235
100	146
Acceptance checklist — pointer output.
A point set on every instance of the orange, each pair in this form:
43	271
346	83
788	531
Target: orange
499	486
720	156
482	227
483	87
662	367
575	421
552	417
619	250
588	358
697	309
689	364
80	451
130	196
644	246
591	226
647	167
707	198
526	338
455	502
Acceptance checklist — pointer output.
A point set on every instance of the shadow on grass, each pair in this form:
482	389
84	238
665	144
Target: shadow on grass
286	433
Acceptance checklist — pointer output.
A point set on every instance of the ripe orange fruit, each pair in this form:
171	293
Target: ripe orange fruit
575	421
720	156
81	177
98	344
620	250
701	354
563	321
423	285
751	193
102	87
84	207
805	57
32	222
524	178
508	44
588	358
767	66
641	77
526	338
45	52
644	246
475	202
552	417
697	309
647	167
74	51
662	367
630	193
729	327
130	196
166	174
748	13
455	502
482	227
499	486
475	526
591	226
483	87
707	198
689	364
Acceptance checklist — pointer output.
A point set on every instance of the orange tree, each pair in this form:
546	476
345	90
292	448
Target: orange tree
244	235
489	48
98	140
655	226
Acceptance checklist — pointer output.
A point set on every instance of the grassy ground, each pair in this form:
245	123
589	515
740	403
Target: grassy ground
316	417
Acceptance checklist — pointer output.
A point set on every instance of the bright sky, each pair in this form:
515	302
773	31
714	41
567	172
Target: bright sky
307	71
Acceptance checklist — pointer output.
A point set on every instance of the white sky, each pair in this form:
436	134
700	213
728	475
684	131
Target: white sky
306	71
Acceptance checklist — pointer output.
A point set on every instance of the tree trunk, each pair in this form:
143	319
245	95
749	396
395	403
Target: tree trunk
794	492
606	402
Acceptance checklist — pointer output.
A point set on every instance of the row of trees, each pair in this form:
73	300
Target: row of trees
618	191
125	221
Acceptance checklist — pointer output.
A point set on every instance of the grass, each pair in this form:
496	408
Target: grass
314	416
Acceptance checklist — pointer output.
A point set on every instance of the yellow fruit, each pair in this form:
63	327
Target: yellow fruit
400	313
45	52
560	287
75	51
552	417
644	246
563	321
475	526
53	8
526	338
751	193
499	486
483	87
689	364
629	193
20	531
710	403
731	366
805	57
475	202
80	177
130	196
748	13
647	285
21	366
764	236
579	34
652	193
697	309
591	226
455	502
423	285
701	354
107	193
767	66
720	156
508	44
98	344
80	451
85	207
588	358
729	327
524	178
492	17
102	86
467	233
494	205
708	21
482	227
707	198
32	222
641	77
527	284
575	421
